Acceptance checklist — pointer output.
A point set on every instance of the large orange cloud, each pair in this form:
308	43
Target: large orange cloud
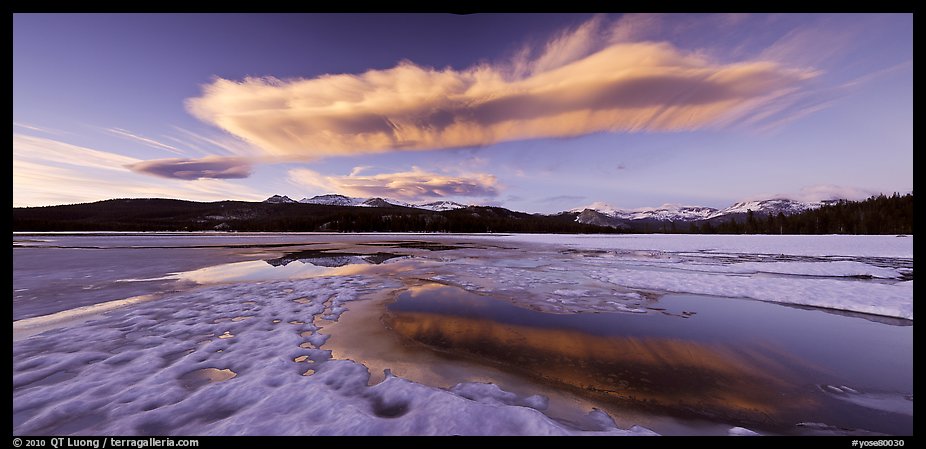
581	82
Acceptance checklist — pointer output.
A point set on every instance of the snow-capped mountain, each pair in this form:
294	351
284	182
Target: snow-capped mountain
279	199
333	199
439	206
383	202
768	207
666	212
675	212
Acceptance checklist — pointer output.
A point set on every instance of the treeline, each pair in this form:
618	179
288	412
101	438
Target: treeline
877	215
176	215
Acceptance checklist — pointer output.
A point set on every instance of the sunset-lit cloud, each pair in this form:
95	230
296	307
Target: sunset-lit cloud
190	169
412	185
589	79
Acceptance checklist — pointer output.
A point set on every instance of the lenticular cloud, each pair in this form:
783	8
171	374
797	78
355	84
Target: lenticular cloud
579	83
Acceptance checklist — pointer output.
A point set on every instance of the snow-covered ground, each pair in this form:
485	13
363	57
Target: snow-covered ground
233	360
237	347
798	245
820	271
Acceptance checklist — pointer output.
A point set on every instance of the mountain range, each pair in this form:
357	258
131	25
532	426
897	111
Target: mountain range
333	199
598	213
602	214
341	213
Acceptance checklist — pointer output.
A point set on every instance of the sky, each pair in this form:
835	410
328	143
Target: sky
533	112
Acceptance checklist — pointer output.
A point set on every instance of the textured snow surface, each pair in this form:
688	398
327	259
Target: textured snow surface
800	245
243	353
819	271
242	359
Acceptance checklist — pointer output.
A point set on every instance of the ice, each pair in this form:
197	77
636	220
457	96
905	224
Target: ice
892	403
834	268
163	364
894	300
162	367
741	432
491	394
829	271
801	245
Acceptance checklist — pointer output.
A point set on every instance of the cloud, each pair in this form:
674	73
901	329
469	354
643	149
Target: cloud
31	148
821	192
35	128
411	185
48	171
213	167
589	79
562	198
145	140
224	143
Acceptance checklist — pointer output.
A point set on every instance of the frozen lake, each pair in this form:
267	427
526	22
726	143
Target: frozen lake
482	334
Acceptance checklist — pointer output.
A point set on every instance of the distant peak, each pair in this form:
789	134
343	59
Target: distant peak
599	206
332	199
279	199
441	205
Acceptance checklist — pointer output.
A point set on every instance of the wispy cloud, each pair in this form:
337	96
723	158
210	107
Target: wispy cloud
146	140
821	192
36	128
189	169
590	79
224	143
32	148
412	185
48	171
561	198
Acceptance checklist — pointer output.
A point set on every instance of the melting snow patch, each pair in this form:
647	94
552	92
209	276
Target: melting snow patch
139	371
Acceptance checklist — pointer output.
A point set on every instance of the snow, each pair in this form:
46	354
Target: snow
599	206
834	268
676	212
816	270
341	200
222	360
894	300
229	356
799	245
668	212
439	206
742	432
333	200
279	199
893	403
773	206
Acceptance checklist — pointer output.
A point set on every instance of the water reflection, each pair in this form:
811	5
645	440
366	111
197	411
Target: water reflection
331	259
732	361
198	378
313	264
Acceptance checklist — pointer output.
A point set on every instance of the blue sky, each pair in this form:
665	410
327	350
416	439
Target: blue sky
539	113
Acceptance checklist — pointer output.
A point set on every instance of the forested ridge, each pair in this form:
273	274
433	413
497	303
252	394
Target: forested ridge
876	215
